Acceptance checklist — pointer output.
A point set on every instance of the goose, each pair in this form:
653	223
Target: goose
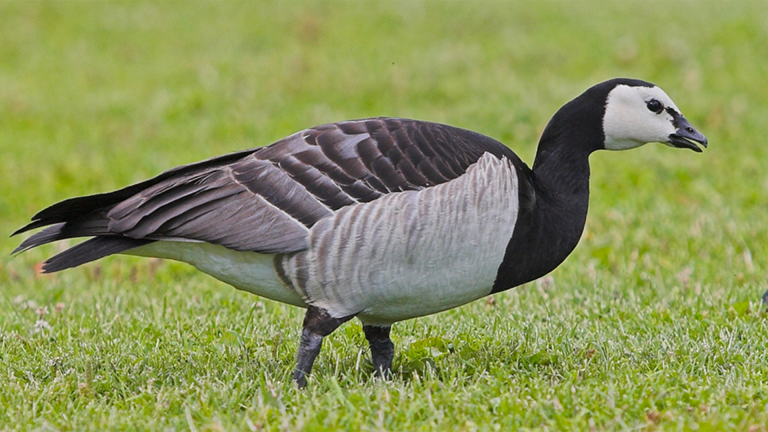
382	219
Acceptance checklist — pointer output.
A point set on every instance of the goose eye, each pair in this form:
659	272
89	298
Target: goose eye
655	106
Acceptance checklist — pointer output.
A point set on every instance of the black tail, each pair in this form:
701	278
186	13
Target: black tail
79	207
90	225
48	235
86	216
79	217
90	250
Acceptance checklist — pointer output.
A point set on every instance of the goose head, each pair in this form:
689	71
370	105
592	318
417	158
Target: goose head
638	112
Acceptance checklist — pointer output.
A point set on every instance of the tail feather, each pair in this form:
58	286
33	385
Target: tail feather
48	235
86	216
74	208
90	250
84	227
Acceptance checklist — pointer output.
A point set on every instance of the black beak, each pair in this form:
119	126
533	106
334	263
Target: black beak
685	136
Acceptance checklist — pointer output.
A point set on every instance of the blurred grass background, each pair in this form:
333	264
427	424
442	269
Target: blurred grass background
654	322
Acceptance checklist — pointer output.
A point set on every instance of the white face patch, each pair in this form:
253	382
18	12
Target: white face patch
628	123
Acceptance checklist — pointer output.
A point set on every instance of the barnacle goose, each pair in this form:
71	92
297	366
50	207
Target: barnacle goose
382	219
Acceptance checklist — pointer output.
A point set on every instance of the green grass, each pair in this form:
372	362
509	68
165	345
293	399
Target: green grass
653	323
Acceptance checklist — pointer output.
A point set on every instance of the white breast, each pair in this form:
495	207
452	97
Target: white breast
412	253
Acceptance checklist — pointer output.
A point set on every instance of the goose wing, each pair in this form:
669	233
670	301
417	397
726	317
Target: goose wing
266	199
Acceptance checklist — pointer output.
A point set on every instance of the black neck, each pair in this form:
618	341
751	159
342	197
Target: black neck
548	230
561	171
561	167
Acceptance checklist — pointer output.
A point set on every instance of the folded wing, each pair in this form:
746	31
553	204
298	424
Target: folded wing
266	199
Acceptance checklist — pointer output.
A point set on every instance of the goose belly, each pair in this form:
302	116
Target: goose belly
411	253
246	271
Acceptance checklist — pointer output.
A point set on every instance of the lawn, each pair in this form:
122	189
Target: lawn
653	323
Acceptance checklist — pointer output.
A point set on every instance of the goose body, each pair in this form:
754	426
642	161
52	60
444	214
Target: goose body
386	253
381	219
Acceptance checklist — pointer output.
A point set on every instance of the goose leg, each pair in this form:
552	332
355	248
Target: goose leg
317	325
382	349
